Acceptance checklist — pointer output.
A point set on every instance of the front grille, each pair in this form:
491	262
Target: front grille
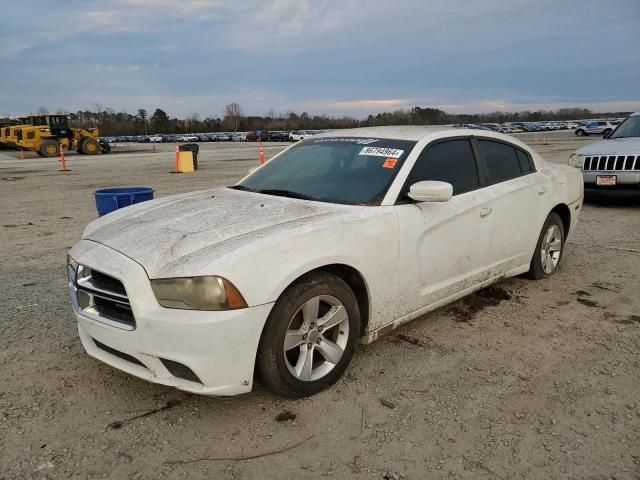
118	311
613	163
105	282
101	297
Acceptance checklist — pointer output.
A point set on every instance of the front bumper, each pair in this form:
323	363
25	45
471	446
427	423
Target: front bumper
218	347
624	179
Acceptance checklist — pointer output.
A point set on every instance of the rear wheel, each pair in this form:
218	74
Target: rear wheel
309	337
580	132
606	132
89	146
49	148
549	248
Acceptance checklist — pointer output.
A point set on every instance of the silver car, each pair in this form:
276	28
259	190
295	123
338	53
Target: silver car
600	127
613	163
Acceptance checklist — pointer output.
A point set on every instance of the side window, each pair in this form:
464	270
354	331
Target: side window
500	159
526	164
450	161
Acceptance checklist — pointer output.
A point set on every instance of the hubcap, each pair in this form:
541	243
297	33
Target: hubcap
550	249
316	338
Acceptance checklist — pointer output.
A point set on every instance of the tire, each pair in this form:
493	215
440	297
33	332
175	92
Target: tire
49	148
89	146
295	372
580	133
105	148
545	249
606	132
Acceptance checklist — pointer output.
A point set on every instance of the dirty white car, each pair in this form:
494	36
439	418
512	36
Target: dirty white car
613	163
338	239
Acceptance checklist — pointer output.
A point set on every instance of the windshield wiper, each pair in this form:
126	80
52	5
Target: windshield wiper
286	193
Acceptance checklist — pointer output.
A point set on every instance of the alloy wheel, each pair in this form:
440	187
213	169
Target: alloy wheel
316	338
550	249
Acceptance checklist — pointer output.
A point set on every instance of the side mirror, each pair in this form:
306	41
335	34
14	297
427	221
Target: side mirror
431	191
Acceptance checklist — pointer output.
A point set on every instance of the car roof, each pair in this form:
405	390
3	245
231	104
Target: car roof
396	132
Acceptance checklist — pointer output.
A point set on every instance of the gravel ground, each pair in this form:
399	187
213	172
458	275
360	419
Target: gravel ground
522	380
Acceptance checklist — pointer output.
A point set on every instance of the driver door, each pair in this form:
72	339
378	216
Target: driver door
444	246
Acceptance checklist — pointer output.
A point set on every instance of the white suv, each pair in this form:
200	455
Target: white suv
599	127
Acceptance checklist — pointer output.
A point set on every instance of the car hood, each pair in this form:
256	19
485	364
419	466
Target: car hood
613	146
161	232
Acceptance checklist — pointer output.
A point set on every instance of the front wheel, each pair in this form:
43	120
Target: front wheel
310	335
580	133
89	146
549	248
49	148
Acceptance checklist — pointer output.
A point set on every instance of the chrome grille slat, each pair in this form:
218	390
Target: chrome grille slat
87	284
613	163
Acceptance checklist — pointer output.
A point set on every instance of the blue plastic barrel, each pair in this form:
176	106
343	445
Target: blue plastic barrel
110	199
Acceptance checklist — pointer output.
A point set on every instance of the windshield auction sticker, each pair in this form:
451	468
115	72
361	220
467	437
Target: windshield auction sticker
381	152
390	163
358	141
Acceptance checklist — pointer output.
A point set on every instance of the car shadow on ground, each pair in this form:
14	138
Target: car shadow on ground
614	198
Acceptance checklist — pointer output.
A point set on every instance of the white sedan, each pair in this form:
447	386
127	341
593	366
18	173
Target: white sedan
338	239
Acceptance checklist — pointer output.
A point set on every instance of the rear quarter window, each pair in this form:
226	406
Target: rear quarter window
500	159
525	161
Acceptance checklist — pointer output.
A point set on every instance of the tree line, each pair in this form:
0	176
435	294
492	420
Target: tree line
115	123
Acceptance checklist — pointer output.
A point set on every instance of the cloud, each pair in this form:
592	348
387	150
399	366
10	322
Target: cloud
320	56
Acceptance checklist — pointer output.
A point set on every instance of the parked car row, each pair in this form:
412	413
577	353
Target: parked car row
254	136
581	127
520	127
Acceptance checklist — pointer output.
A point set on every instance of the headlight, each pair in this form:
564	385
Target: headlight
197	293
576	160
72	269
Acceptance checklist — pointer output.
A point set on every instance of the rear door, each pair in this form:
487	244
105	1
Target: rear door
518	191
444	247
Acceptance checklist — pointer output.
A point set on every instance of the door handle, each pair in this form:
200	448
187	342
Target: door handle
542	190
485	211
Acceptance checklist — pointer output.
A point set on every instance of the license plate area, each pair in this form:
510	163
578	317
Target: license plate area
606	180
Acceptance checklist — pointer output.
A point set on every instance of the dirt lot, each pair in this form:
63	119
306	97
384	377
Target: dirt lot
524	380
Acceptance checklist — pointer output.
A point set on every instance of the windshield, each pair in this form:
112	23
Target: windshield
343	170
629	128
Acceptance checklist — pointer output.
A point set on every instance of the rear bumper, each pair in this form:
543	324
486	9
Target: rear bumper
218	347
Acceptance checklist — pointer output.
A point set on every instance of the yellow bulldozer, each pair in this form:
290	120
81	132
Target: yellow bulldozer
45	134
4	131
10	130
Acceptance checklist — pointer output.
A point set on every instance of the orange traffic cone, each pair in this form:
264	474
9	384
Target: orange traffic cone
261	153
177	163
63	164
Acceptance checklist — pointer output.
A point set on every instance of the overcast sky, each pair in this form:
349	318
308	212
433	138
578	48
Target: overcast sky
324	56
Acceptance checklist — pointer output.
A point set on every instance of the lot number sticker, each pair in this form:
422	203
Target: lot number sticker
381	152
